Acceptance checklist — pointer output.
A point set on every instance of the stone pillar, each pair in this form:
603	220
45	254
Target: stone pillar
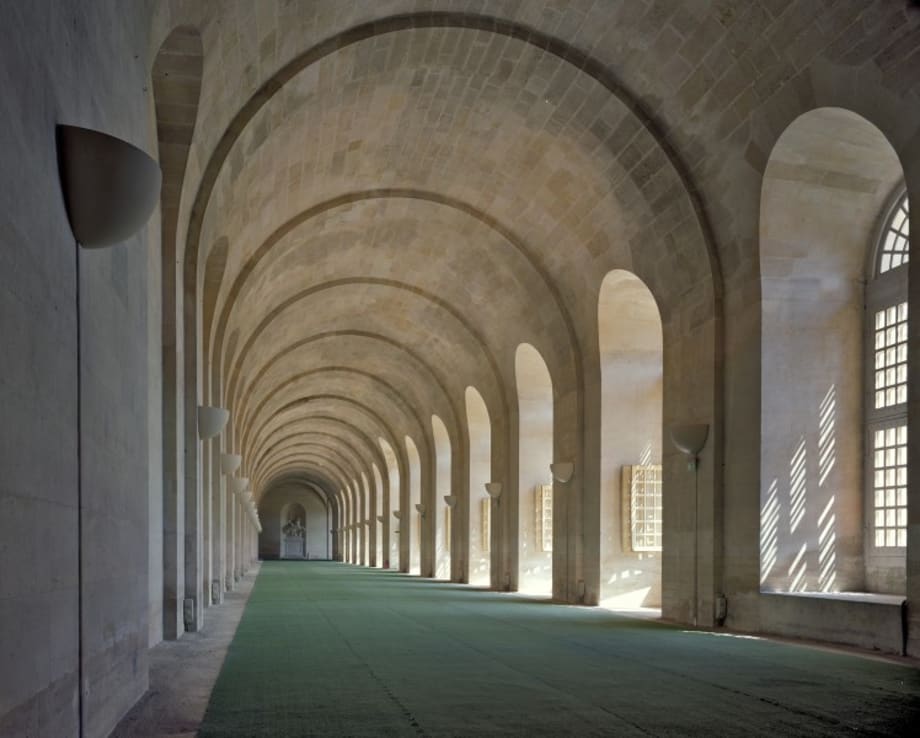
218	537
207	472
231	534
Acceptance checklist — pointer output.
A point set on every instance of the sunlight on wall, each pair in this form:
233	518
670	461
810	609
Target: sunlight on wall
798	488
442	485
769	531
377	513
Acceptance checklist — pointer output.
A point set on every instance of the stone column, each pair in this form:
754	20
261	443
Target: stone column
231	535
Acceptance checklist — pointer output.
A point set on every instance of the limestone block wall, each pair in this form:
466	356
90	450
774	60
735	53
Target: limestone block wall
74	438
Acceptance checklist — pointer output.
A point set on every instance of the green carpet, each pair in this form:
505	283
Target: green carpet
335	650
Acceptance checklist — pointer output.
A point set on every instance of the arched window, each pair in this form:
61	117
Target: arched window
886	393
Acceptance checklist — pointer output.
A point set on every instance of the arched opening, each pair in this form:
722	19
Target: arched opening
413	516
441	508
535	484
295	523
480	431
354	493
834	353
176	77
377	520
365	520
392	506
630	344
293	538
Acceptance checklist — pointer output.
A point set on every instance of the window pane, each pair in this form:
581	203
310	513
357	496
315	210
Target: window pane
889	494
894	248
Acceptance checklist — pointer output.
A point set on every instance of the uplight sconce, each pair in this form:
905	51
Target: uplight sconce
380	518
562	471
110	187
690	439
451	500
239	485
421	509
229	463
397	514
495	491
211	421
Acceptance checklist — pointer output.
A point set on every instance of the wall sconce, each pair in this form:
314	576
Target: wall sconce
690	439
495	491
397	514
211	421
110	187
380	518
451	500
239	485
421	509
562	471
229	463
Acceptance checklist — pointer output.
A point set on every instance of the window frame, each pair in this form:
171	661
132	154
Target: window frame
882	290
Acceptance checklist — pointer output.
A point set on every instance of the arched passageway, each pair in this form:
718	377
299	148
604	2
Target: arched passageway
391	520
413	515
378	520
295	522
441	509
632	494
480	504
535	486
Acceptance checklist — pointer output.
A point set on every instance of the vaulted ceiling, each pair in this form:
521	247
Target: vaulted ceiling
382	201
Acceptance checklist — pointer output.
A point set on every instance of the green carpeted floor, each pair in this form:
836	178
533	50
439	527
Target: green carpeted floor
330	649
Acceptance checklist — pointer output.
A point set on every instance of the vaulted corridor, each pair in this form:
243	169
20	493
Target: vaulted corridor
334	332
416	657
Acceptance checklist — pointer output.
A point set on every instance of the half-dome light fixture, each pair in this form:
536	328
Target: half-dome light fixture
689	439
494	489
380	518
110	187
239	485
421	509
397	514
562	471
229	463
451	500
211	421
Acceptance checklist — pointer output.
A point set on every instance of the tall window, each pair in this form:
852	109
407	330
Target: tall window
543	498
886	406
642	507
